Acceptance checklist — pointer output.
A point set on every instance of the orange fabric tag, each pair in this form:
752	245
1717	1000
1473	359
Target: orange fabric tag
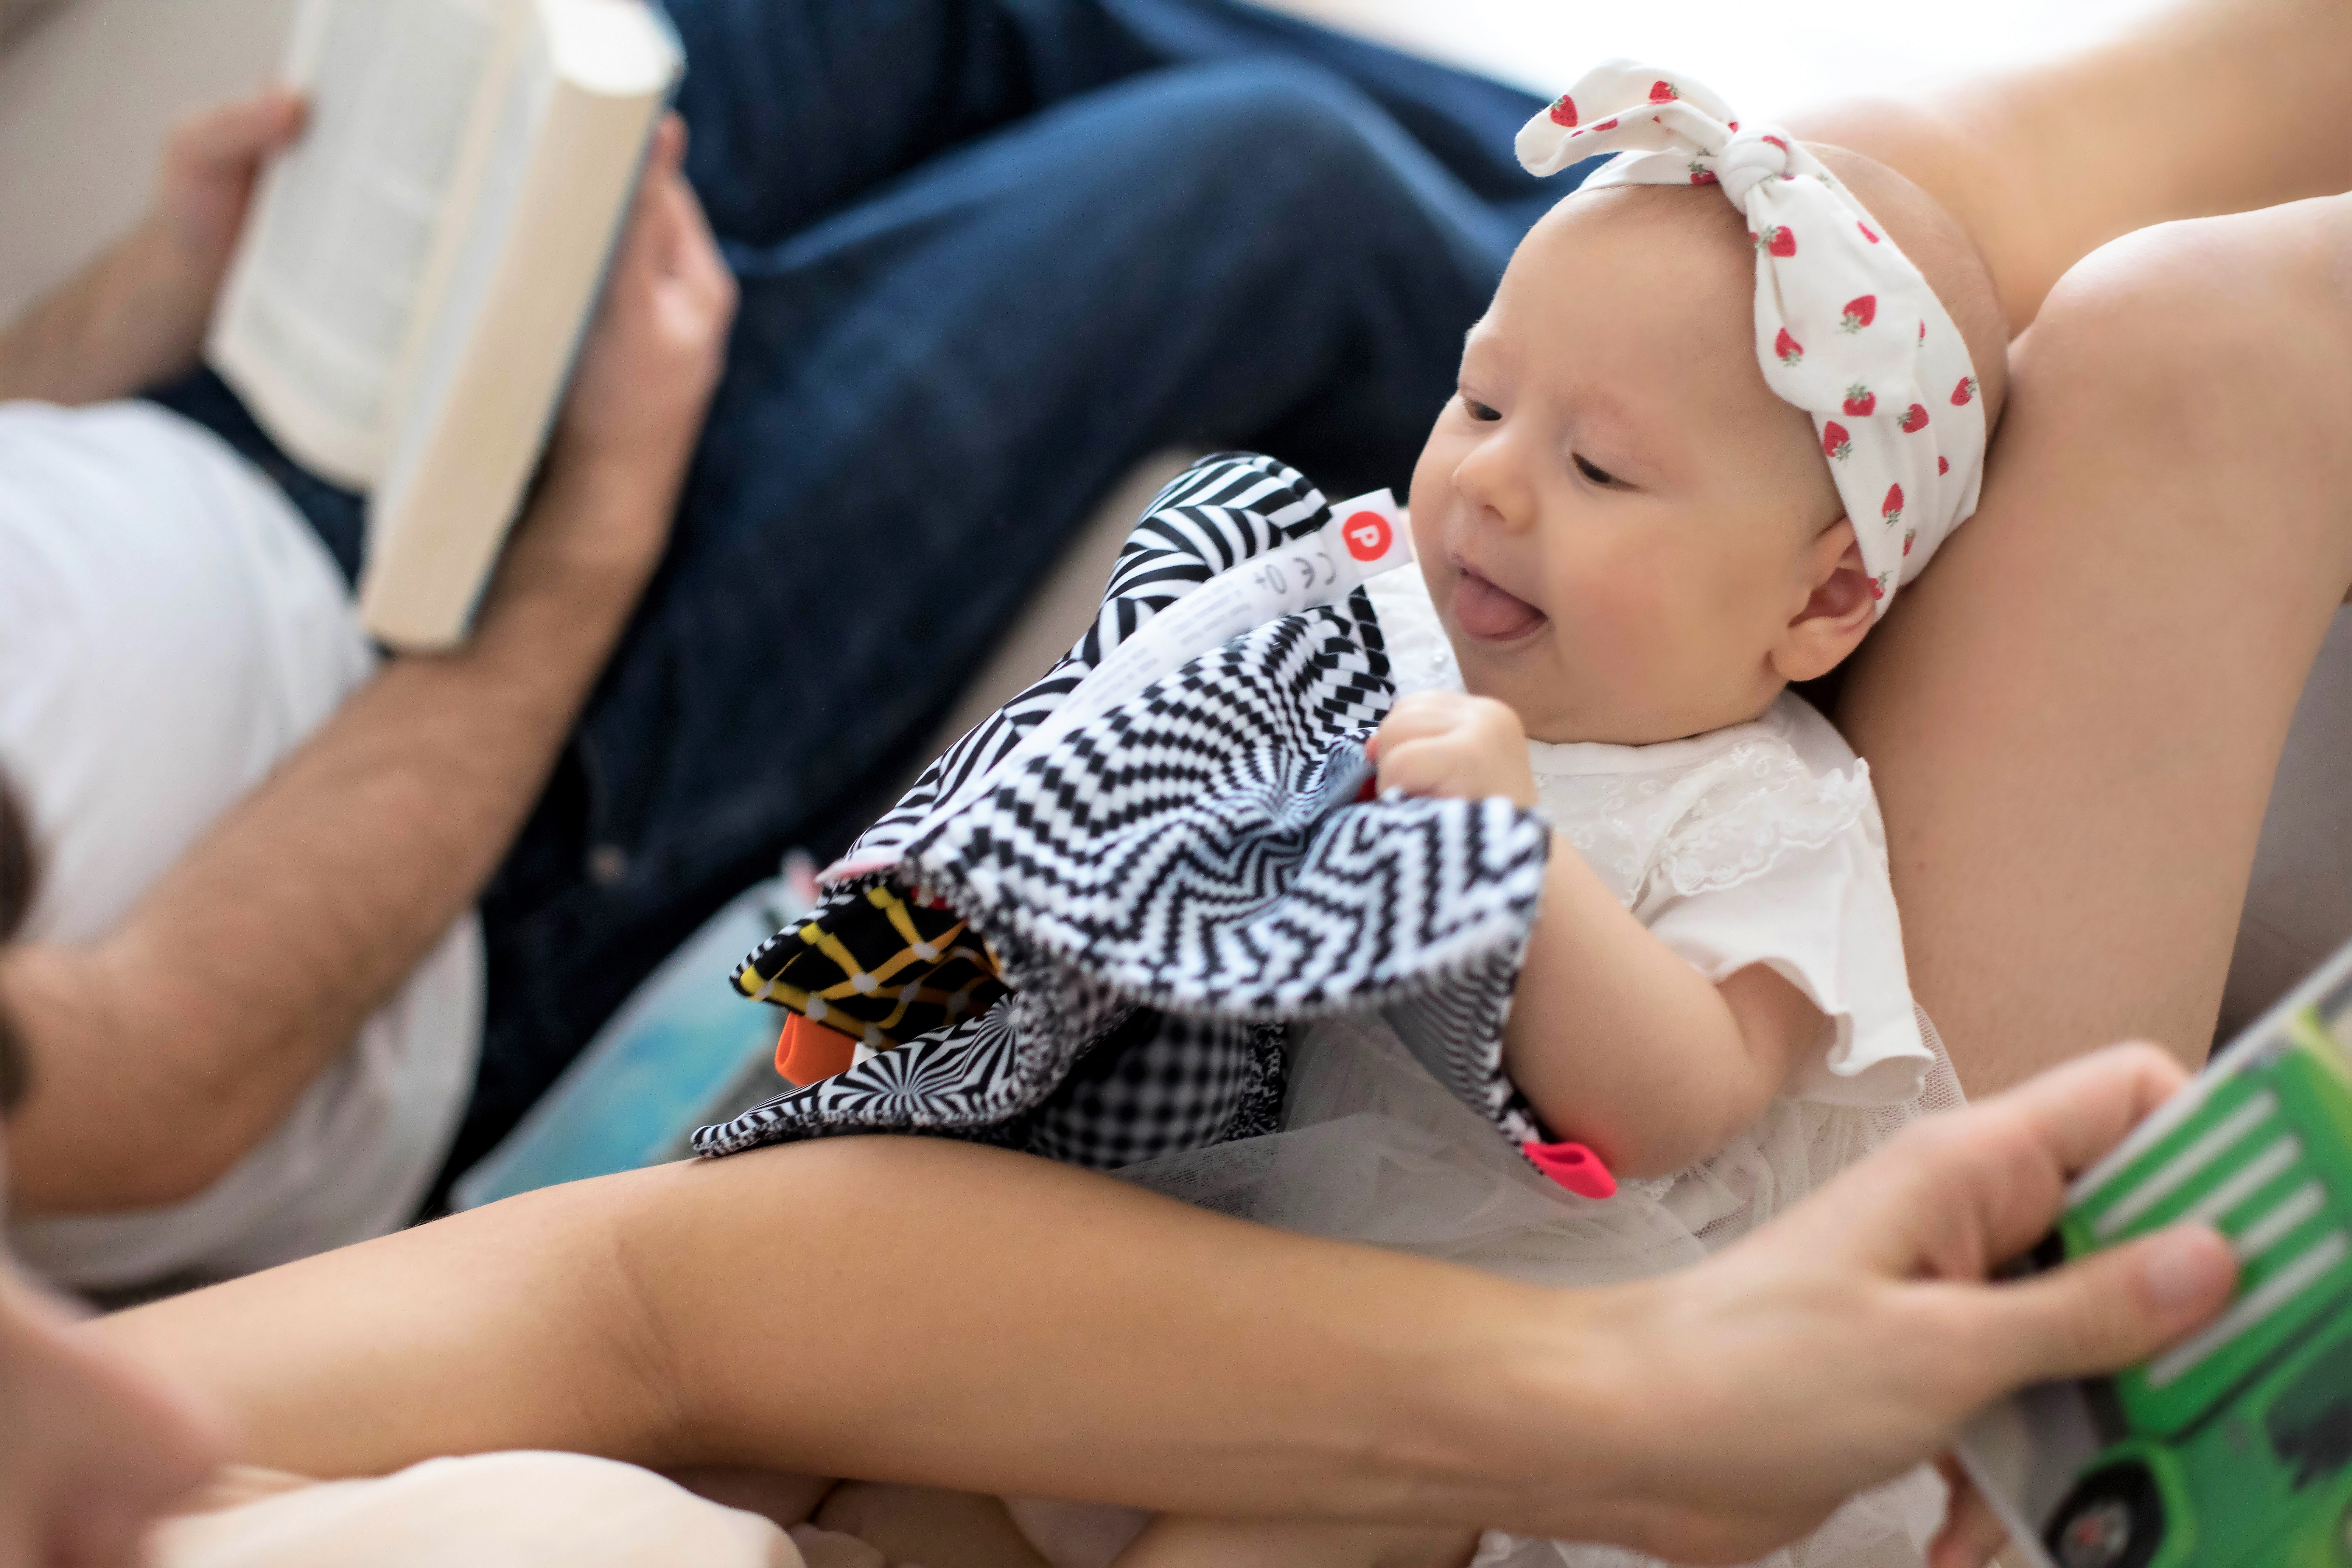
807	1051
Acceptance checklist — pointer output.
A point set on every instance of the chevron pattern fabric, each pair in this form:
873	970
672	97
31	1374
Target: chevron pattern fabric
1173	880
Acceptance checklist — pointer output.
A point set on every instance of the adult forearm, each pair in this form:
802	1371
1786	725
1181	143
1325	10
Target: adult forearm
921	1311
130	319
189	1032
939	1312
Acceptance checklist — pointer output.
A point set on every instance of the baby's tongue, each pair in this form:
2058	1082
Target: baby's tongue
1485	611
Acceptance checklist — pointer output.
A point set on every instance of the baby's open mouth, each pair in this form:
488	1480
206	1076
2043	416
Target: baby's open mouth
1488	612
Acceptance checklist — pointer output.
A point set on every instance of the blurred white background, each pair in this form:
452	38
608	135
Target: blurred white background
85	93
1764	57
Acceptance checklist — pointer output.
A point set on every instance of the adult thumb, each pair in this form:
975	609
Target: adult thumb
2119	1306
234	134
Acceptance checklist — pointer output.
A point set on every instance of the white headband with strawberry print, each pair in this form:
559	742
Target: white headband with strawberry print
1846	329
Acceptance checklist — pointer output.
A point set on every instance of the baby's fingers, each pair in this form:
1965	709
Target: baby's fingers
1420	715
1428	765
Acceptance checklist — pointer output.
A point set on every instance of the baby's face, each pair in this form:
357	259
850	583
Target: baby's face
1619	521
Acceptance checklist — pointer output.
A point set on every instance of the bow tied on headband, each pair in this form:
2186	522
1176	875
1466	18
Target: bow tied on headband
1846	327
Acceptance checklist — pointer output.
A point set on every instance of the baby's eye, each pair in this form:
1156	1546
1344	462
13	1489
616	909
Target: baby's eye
1593	471
1479	411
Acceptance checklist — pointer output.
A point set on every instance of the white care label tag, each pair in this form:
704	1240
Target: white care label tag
1365	537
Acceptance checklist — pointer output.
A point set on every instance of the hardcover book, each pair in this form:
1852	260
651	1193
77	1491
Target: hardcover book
405	304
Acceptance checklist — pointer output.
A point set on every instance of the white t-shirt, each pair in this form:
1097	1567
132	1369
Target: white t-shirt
1761	843
169	629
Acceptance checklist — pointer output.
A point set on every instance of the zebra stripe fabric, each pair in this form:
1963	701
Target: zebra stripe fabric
1176	878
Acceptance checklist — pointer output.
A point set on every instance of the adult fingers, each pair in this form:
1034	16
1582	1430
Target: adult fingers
694	256
1958	1195
233	136
2081	1110
650	216
2118	1306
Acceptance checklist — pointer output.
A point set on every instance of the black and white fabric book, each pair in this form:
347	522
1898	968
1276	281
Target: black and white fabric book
1084	930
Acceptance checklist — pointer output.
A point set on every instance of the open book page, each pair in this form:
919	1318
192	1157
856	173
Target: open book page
353	227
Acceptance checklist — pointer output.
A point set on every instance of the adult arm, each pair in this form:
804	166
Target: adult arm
188	1032
137	314
945	1314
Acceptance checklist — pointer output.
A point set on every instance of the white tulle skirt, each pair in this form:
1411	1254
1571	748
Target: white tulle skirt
1374	1151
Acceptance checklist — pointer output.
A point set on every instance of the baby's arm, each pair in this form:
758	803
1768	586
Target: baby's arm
1615	1040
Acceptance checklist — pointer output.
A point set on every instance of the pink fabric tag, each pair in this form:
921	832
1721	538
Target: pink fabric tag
1573	1166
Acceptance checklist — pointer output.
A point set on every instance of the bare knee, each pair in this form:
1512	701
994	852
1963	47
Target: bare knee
2215	357
2210	329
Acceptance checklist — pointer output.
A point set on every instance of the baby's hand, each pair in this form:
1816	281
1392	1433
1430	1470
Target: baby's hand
1454	746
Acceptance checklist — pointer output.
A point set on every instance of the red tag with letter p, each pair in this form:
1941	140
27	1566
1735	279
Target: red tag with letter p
1371	528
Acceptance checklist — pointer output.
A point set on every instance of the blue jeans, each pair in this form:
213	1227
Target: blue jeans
992	253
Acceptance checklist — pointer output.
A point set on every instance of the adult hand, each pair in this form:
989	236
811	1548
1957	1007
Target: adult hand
646	374
91	1447
137	314
1853	1335
210	166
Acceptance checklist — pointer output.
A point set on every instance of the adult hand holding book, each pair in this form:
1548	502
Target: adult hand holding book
405	304
652	359
440	758
136	315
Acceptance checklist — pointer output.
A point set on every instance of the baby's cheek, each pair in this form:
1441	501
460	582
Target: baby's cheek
1425	502
1624	610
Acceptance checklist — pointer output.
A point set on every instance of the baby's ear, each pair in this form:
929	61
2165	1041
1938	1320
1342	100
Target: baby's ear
1837	614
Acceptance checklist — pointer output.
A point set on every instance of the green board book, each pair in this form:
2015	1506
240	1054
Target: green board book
2233	1447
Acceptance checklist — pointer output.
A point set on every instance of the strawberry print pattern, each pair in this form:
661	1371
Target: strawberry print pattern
1846	329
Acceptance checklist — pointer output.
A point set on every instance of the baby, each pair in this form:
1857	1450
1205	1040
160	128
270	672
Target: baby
1699	445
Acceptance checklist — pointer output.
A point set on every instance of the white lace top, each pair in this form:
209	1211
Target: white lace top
1757	843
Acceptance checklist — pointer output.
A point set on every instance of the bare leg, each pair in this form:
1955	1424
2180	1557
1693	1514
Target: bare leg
2074	719
2218	106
